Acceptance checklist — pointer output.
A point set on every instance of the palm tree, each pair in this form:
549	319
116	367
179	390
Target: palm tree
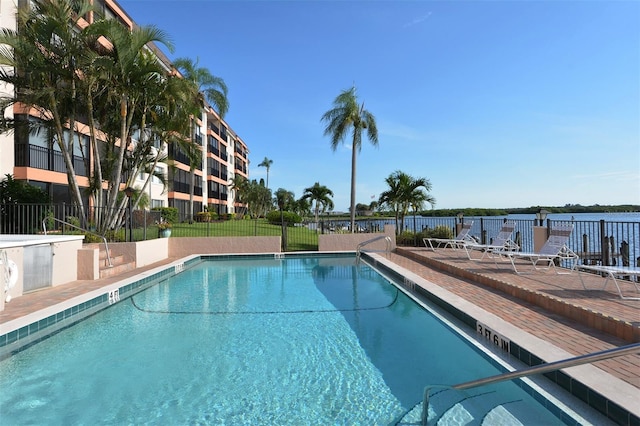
320	195
208	87
266	163
240	185
257	197
42	62
61	69
283	200
347	114
404	192
129	69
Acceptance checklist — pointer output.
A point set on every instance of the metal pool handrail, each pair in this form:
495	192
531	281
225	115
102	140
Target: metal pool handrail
538	369
106	246
364	243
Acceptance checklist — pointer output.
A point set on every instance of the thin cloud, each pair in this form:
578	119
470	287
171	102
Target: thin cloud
417	20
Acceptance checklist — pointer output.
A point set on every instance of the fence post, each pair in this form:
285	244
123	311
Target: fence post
284	236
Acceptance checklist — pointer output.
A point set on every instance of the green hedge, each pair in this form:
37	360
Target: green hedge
289	217
170	214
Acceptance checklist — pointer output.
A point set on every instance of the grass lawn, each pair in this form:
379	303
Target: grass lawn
299	238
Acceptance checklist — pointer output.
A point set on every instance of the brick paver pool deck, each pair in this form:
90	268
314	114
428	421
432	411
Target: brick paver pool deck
553	307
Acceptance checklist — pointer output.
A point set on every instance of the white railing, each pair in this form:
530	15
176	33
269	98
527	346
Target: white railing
106	246
537	369
387	249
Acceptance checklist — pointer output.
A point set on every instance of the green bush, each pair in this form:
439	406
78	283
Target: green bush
440	231
203	217
169	214
406	238
289	218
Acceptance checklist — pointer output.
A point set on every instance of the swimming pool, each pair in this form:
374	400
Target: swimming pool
254	340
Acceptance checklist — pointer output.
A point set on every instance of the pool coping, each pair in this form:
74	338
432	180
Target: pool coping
527	348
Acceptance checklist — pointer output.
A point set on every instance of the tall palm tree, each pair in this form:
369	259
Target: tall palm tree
319	194
207	87
348	114
129	69
266	163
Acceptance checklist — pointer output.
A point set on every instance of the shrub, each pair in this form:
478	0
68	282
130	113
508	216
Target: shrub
289	218
406	238
203	217
169	214
440	231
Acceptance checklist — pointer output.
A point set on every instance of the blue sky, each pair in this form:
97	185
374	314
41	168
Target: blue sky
497	103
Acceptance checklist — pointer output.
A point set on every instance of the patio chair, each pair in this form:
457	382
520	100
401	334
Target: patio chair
501	243
457	242
613	273
555	249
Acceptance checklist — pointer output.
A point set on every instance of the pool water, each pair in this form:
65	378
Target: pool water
301	340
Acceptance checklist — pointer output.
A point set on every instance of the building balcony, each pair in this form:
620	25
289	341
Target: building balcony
27	155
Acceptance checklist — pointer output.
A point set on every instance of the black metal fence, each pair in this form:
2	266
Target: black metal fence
596	242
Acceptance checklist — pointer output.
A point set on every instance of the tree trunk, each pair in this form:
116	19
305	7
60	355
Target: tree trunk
354	153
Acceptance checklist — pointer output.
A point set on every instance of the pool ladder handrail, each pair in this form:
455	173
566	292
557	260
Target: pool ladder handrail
104	240
373	240
537	369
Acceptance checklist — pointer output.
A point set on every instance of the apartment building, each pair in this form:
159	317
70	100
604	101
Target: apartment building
30	158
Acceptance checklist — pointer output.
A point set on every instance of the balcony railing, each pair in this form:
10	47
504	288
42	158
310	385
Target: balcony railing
38	157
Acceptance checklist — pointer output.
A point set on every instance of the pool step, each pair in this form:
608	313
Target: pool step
458	415
119	262
448	408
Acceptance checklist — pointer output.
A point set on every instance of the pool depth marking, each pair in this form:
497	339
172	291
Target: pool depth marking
301	311
496	338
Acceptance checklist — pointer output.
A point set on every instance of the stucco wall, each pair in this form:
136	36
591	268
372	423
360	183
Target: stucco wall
349	242
151	251
185	246
88	264
65	262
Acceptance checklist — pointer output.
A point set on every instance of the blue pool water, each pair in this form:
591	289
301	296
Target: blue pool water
301	340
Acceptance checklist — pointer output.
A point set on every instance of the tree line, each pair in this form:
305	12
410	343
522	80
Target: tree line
568	208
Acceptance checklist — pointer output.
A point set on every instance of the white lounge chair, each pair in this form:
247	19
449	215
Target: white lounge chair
501	243
457	242
554	249
612	273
